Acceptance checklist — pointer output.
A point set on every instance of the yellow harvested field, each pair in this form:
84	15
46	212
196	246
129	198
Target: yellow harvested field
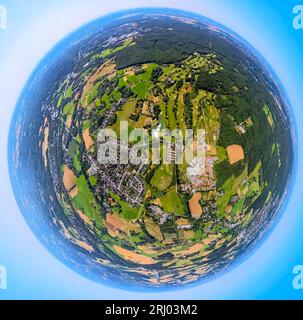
235	153
148	194
182	222
84	217
88	141
74	192
112	233
194	205
134	257
153	229
132	226
114	222
68	178
193	249
68	121
45	143
84	245
188	234
145	108
213	151
211	238
146	249
106	69
157	202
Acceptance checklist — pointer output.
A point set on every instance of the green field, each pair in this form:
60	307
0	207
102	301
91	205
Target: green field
69	109
163	177
127	211
85	201
172	202
107	52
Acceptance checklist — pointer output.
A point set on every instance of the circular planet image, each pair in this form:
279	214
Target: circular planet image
171	82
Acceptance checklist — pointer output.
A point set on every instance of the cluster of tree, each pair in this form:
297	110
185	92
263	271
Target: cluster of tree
156	73
188	110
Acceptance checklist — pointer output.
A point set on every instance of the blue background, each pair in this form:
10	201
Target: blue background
34	27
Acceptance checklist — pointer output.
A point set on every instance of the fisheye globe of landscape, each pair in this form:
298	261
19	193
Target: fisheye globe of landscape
149	224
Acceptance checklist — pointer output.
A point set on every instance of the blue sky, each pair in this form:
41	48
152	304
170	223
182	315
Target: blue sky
34	27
